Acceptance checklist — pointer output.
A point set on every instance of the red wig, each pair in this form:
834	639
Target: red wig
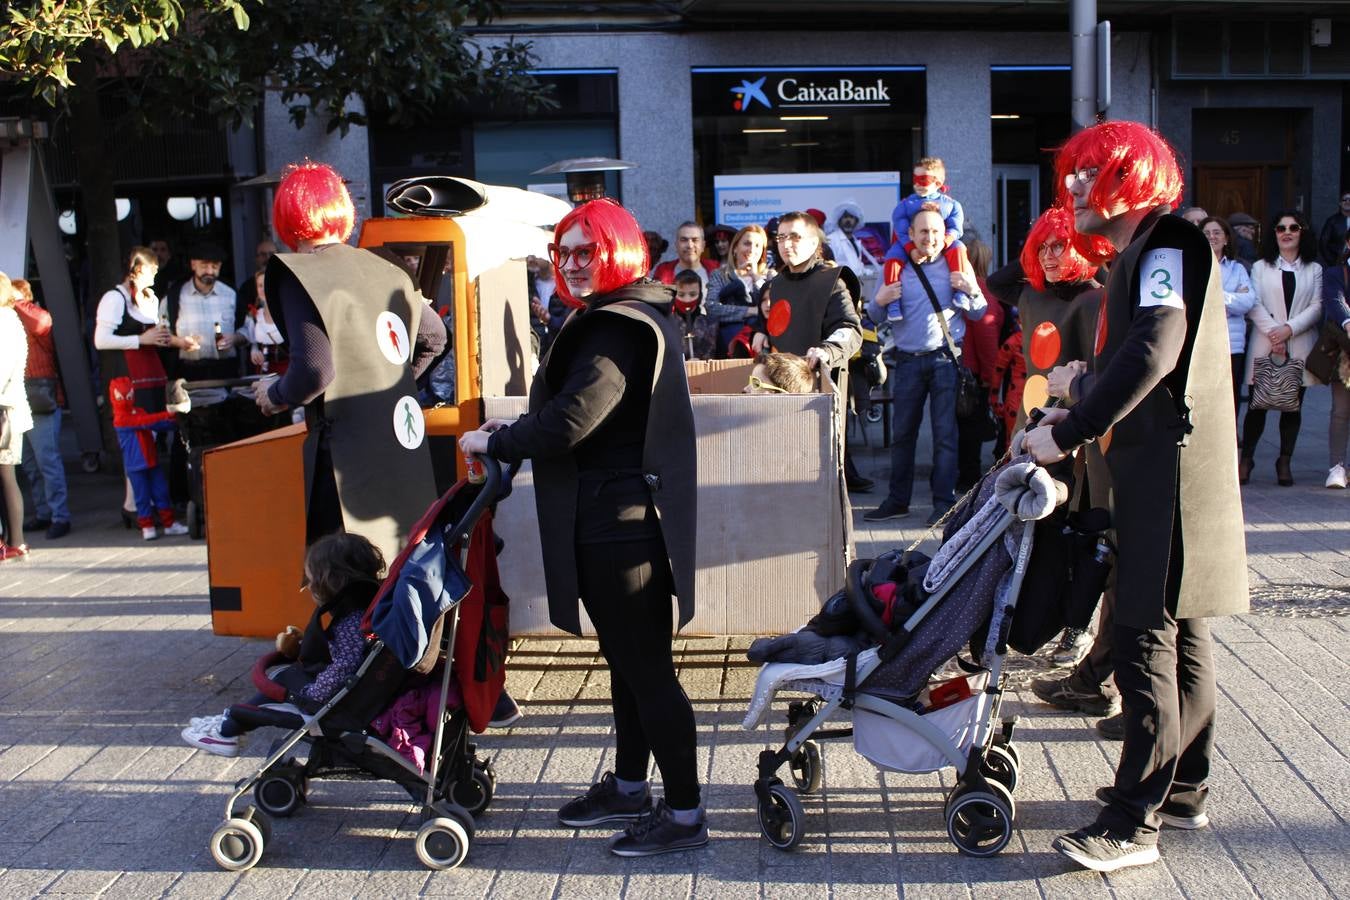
1136	166
312	204
620	251
1055	224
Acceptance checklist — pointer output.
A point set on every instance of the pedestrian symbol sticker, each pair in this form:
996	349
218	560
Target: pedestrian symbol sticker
409	426
392	338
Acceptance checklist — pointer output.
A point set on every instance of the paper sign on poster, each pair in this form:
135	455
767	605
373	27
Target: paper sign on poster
754	199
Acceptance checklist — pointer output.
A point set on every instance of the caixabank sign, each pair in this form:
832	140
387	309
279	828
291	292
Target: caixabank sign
766	91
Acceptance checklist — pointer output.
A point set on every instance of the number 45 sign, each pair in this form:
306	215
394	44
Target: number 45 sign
1160	278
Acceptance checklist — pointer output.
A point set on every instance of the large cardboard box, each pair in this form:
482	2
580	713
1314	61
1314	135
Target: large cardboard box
773	523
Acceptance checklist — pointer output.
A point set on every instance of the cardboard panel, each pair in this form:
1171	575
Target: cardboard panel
772	542
504	330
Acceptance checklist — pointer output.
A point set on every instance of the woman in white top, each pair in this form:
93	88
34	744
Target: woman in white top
1238	296
749	265
267	351
14	413
1287	314
128	319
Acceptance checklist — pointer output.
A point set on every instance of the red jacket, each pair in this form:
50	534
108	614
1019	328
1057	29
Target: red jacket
37	325
665	273
979	349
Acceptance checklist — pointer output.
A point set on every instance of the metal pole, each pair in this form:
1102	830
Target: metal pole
1083	59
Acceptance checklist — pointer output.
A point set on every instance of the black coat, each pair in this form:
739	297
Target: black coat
550	436
1159	403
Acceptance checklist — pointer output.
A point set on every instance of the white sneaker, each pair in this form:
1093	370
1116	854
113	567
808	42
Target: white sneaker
148	533
1336	477
198	723
209	738
175	530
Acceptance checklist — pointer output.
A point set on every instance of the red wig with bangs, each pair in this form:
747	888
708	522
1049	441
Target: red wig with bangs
1055	224
1136	167
620	249
312	204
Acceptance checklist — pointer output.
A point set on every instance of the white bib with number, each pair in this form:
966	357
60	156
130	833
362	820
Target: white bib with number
1160	278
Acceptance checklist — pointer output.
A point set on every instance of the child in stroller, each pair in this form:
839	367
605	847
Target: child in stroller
343	572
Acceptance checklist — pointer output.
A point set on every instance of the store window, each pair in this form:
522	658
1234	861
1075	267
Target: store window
497	144
1029	110
800	121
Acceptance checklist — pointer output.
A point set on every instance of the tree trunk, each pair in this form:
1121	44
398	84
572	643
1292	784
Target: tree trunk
98	205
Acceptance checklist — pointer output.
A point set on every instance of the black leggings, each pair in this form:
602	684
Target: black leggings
12	500
626	590
1255	423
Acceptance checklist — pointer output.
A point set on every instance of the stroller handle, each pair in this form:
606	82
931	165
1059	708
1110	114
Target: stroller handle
853	586
495	488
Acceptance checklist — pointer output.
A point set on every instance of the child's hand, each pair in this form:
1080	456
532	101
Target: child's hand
916	255
288	642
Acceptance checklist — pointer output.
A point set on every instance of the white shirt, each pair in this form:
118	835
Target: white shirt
198	314
113	308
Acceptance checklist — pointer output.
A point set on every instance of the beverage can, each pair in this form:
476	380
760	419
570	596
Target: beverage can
475	470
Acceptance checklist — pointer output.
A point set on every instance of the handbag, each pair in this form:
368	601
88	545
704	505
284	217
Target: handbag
971	396
1324	359
1276	385
41	395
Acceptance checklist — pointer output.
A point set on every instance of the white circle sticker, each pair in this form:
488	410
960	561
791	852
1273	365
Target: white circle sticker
409	425
392	337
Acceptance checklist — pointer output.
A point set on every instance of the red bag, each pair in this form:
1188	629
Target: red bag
482	638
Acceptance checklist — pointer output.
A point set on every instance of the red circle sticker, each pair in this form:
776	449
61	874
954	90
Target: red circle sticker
780	314
1045	345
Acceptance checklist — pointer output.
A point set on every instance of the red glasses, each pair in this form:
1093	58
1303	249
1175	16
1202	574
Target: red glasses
582	254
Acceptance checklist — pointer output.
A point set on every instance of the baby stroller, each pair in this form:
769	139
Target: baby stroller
429	618
902	719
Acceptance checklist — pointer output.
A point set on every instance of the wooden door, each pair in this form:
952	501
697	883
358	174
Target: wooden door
1222	190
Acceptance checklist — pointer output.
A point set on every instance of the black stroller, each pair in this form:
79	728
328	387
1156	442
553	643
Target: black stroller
902	719
456	784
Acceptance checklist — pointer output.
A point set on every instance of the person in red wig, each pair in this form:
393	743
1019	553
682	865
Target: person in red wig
1156	399
359	334
610	431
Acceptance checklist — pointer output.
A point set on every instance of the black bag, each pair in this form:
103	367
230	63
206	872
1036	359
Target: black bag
972	398
1068	570
41	395
1325	357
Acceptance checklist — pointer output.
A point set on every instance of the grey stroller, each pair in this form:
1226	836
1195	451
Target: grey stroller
903	719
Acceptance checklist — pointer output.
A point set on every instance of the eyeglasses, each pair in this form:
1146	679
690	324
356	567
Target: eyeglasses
1054	251
582	254
1085	175
1291	229
791	237
758	385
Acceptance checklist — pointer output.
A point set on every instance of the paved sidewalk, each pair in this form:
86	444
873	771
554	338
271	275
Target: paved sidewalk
106	650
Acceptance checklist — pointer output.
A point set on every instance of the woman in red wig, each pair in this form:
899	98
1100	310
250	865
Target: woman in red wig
611	434
348	316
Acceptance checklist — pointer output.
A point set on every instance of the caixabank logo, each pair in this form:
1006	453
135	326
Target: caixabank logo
795	92
749	92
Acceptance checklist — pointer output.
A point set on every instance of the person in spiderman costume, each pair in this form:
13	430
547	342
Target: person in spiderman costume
930	186
136	430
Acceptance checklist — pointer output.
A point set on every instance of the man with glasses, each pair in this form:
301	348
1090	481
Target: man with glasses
1331	242
925	365
1158	402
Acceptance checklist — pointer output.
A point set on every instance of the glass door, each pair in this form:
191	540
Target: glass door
1017	191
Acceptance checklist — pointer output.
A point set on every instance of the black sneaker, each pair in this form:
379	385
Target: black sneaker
658	832
1073	646
36	523
506	712
604	803
1113	727
888	509
1173	818
1097	849
1067	693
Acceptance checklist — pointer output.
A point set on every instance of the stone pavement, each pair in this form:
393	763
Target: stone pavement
106	650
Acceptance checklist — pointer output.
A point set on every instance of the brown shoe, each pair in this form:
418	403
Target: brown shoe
1245	466
1283	475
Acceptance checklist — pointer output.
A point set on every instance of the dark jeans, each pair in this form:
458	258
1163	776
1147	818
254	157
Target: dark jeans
626	589
1167	691
1255	423
1239	370
930	376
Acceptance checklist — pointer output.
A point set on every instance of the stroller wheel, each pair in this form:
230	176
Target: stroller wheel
441	843
278	795
1001	765
782	818
475	795
806	769
452	810
237	845
980	823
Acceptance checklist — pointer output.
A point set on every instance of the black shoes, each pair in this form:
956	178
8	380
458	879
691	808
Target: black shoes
1097	849
1113	727
58	530
1068	693
658	832
36	523
859	485
888	509
604	803
506	712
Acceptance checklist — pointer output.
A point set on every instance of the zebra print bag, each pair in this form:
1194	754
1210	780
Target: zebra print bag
1275	385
